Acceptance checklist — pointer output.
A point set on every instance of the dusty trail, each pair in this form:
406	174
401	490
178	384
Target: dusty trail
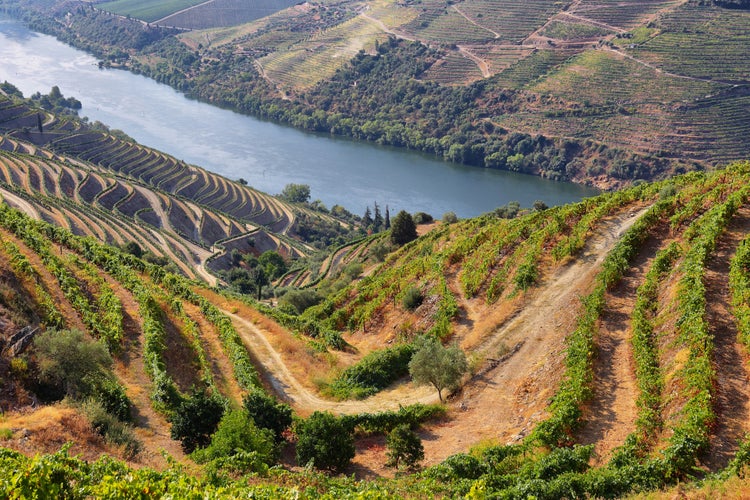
481	63
303	399
501	403
516	392
611	415
19	203
732	400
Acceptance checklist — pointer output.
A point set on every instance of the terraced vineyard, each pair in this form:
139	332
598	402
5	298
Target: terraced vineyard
627	310
222	13
99	185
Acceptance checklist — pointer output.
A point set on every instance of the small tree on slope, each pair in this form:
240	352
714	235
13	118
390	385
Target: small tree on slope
436	365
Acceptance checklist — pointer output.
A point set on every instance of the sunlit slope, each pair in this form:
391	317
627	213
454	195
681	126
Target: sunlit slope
618	323
648	77
166	340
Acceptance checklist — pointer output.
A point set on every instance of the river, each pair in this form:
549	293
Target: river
269	156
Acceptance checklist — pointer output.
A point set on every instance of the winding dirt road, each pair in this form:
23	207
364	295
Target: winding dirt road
500	403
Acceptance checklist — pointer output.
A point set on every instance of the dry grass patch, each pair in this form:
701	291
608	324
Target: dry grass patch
48	428
306	365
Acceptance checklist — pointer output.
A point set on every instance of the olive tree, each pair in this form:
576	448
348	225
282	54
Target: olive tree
71	359
437	365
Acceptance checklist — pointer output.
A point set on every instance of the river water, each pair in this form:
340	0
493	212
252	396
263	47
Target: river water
269	156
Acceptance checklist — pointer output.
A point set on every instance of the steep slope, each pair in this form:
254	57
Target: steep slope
644	270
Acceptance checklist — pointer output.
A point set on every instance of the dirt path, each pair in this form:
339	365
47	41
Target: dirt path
481	63
463	14
732	401
515	393
198	254
611	415
303	399
19	203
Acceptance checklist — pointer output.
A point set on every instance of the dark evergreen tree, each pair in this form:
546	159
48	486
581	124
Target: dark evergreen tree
367	218
403	229
387	218
377	221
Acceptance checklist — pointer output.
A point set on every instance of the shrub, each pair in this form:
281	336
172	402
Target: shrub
299	300
422	218
267	413
71	360
324	442
378	251
404	446
237	433
112	397
386	421
459	466
109	427
412	298
196	418
374	372
450	218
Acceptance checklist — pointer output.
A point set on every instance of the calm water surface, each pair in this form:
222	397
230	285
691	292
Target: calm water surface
268	156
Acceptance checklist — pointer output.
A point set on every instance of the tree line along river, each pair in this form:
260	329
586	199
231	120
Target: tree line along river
269	156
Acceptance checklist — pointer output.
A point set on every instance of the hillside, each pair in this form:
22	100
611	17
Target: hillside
607	341
98	183
626	311
593	91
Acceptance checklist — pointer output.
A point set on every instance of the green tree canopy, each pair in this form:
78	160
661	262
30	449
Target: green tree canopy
325	442
237	433
403	229
404	447
196	420
296	193
273	264
71	359
437	365
267	413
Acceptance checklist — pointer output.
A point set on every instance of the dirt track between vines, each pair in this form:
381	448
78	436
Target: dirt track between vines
732	403
499	404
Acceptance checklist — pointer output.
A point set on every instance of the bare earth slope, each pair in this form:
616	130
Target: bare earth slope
501	403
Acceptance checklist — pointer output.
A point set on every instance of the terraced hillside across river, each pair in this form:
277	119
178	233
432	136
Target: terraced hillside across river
613	309
594	91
